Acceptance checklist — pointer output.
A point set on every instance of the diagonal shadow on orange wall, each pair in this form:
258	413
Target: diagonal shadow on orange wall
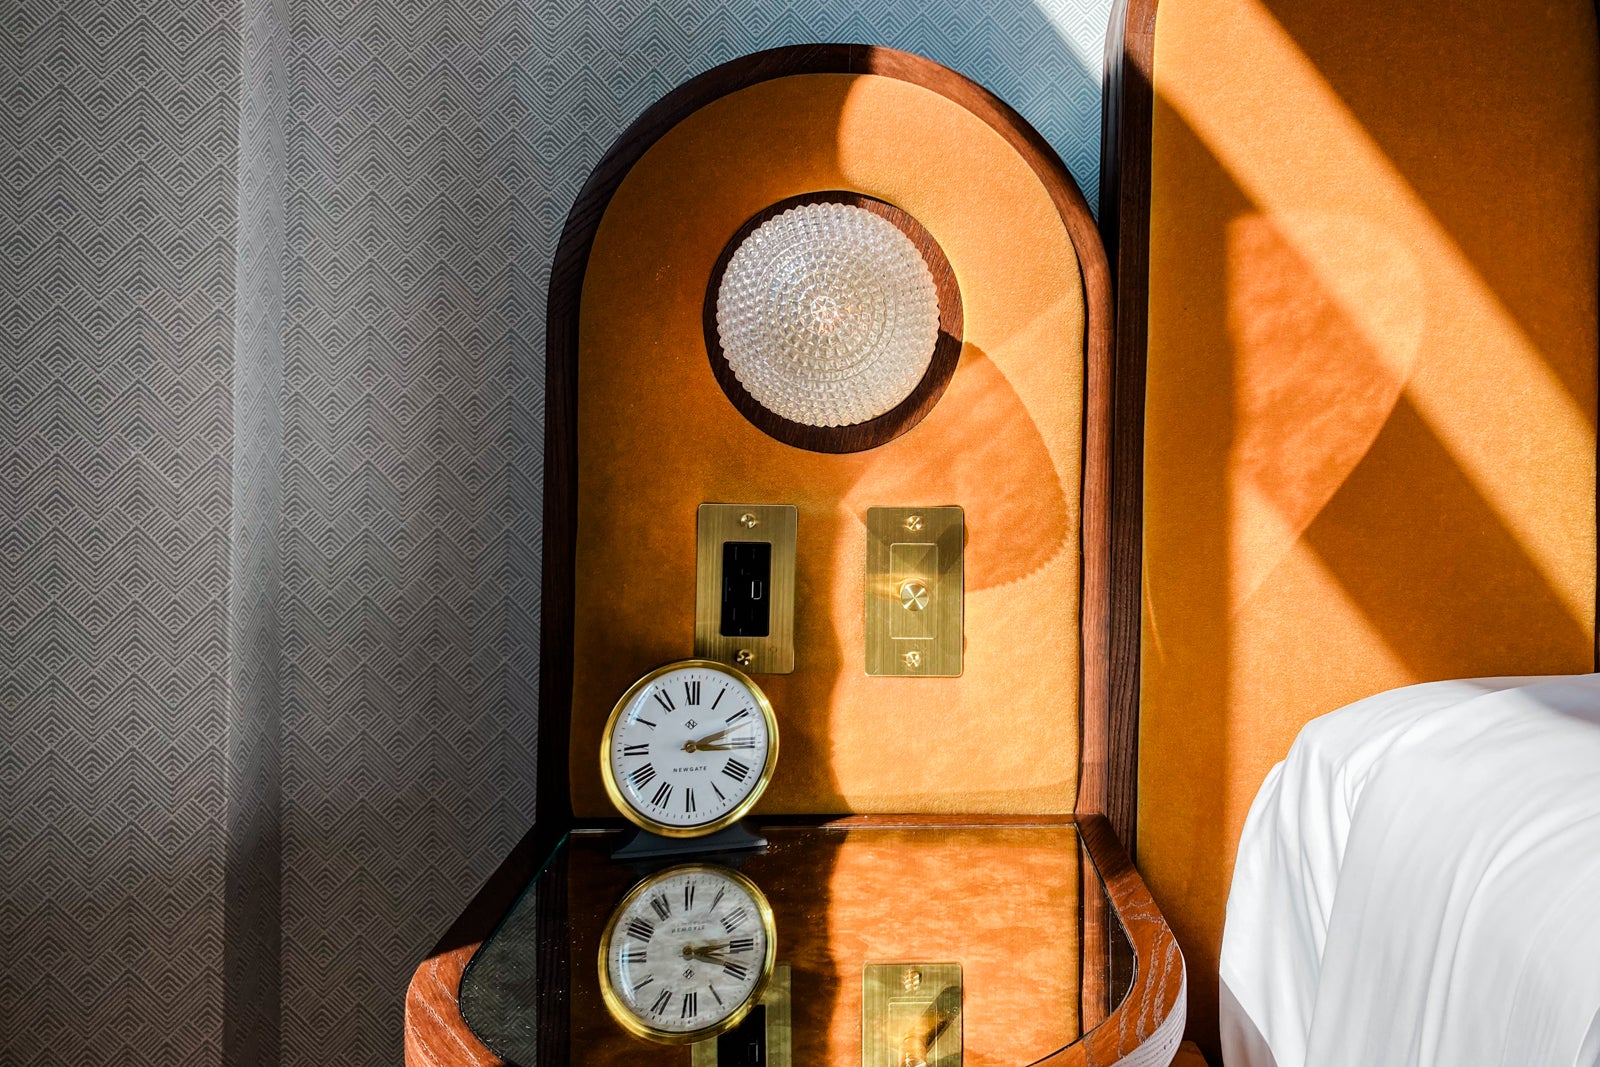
1491	81
1309	537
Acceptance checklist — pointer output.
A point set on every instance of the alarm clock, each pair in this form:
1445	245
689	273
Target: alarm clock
687	954
689	748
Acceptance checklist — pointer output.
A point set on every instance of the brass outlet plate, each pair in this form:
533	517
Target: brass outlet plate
911	1014
717	525
780	1043
915	589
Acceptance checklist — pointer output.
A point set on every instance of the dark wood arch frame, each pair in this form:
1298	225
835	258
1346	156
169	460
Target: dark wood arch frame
904	415
1149	1018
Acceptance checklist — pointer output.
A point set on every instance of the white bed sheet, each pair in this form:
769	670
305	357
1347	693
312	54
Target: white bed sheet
1418	883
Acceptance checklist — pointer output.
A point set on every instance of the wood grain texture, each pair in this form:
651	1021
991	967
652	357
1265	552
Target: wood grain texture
903	416
1148	1024
1125	206
435	1033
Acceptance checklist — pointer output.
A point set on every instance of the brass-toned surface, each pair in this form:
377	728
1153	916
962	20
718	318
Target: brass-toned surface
638	1027
740	810
911	1015
780	1049
914	591
716	524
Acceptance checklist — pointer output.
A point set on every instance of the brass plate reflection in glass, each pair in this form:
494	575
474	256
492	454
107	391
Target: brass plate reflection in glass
776	1002
911	1014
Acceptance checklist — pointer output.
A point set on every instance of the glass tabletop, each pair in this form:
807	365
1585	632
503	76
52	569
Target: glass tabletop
903	945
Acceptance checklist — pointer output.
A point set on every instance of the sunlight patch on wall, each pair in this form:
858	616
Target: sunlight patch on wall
1460	318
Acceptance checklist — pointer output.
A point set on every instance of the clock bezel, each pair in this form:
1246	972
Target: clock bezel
625	1015
620	801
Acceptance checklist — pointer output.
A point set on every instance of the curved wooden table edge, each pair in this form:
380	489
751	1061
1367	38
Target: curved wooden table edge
1142	1031
436	1033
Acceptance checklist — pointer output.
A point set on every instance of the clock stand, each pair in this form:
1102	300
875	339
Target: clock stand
978	819
644	845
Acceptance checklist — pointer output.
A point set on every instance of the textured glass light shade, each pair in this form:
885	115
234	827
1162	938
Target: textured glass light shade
828	315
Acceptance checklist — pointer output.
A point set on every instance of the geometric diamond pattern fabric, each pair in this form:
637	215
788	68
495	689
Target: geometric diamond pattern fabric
270	418
411	417
116	459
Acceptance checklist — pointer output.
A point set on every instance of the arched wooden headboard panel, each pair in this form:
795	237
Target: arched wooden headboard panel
626	296
1356	254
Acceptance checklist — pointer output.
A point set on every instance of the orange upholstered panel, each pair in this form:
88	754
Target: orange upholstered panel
657	437
1372	377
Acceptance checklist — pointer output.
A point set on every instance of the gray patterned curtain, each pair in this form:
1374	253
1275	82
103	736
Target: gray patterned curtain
270	413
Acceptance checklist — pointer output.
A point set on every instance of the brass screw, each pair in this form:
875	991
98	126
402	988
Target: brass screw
744	657
913	659
749	521
913	523
911	980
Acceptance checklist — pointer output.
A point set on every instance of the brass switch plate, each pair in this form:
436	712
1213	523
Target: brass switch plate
719	525
911	1013
780	1044
915	590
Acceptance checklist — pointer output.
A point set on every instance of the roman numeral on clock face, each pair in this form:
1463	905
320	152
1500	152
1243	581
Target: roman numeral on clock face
736	770
690	999
665	701
735	918
662	908
660	799
634	954
688	801
742	944
743	713
640	777
662	1002
636	750
691	693
641	929
720	694
688	896
735	970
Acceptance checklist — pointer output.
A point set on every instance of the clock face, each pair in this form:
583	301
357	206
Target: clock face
689	748
687	953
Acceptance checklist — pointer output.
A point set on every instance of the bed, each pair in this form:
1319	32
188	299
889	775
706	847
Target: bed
1419	882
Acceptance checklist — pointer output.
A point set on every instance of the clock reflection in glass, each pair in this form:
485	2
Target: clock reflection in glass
689	748
687	954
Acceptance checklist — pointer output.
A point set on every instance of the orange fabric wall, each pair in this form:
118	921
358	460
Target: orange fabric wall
657	437
1372	377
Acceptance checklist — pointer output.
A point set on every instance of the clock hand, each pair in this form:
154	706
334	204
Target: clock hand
704	742
708	953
